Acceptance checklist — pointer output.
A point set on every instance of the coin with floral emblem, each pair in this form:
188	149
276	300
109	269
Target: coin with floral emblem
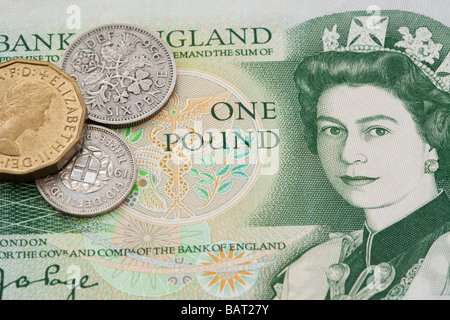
125	73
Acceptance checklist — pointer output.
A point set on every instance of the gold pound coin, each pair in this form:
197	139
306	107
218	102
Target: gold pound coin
42	114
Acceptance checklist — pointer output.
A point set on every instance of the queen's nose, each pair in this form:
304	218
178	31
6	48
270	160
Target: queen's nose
353	150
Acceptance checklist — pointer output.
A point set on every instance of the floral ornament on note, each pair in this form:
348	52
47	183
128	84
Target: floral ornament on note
218	179
230	282
421	46
330	39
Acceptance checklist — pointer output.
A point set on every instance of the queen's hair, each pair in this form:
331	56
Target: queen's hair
392	71
24	95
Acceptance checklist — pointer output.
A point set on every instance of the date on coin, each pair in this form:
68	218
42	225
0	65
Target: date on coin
96	180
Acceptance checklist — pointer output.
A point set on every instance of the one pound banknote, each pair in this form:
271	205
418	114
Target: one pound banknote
303	154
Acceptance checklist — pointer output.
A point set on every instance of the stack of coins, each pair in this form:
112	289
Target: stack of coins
52	121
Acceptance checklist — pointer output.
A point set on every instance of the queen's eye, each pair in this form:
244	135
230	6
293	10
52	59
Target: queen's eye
332	131
378	132
335	131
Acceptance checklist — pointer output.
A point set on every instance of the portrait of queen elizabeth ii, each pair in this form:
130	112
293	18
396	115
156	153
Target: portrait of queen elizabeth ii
379	121
25	106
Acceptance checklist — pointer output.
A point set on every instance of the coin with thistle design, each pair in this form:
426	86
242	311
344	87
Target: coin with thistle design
125	73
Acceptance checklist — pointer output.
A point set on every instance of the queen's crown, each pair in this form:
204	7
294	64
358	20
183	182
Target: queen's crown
368	34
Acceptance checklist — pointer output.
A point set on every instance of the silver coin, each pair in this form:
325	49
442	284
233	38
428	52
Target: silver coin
96	180
125	73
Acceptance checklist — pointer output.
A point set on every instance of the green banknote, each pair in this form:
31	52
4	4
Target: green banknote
304	154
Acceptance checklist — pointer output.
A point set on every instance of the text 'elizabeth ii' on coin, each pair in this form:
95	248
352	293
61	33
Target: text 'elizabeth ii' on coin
125	73
96	180
42	113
